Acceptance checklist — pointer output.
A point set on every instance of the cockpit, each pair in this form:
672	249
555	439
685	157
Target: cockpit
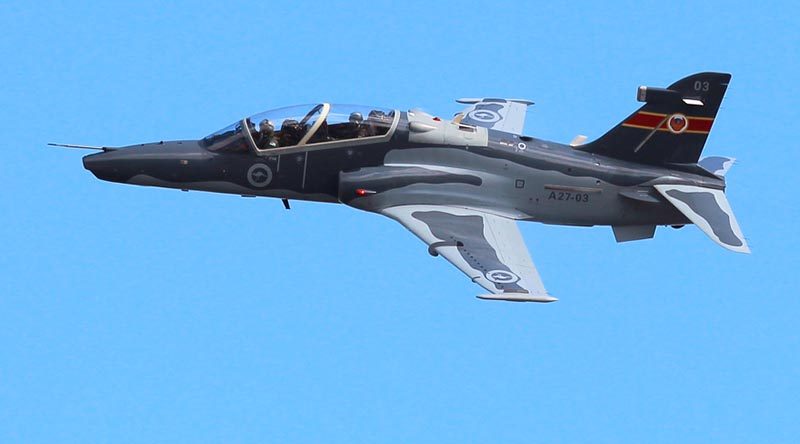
302	125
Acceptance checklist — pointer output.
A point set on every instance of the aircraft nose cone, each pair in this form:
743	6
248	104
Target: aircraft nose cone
91	161
160	160
105	166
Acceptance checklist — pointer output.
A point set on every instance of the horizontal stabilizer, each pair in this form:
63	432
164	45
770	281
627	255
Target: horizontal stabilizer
710	211
717	165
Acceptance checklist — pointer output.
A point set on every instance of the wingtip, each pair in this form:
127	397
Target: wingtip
518	297
745	249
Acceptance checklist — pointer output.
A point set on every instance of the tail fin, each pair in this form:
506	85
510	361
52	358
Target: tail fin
672	126
710	211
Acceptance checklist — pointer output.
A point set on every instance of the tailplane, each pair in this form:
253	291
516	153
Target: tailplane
709	209
672	126
717	165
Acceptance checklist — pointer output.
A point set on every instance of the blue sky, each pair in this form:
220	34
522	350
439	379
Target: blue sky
133	314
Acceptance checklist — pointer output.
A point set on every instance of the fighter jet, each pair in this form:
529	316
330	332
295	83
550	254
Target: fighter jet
462	184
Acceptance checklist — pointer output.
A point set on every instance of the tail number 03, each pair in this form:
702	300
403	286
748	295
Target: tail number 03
701	86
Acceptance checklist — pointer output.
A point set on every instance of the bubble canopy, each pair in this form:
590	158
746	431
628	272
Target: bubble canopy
301	125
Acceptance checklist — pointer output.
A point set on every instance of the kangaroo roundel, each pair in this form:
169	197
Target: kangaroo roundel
485	115
259	175
501	277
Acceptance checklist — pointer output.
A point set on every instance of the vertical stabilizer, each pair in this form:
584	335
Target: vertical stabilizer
671	127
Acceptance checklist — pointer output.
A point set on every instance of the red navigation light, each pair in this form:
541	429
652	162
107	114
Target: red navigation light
362	192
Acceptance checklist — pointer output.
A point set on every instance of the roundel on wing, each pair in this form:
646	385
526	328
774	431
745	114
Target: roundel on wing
677	123
484	115
501	276
259	175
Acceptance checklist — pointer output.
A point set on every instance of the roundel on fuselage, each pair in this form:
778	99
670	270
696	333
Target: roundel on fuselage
259	175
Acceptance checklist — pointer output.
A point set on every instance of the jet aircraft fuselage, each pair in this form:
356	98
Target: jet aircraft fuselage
521	177
459	183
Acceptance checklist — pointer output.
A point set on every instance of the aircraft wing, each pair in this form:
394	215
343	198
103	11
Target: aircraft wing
487	248
500	114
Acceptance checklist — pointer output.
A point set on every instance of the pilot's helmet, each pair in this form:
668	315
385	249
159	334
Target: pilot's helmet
356	117
377	114
265	126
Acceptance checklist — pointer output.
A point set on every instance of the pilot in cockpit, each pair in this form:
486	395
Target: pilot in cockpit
266	135
291	133
377	122
356	121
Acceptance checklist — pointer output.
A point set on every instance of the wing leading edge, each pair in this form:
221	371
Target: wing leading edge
487	248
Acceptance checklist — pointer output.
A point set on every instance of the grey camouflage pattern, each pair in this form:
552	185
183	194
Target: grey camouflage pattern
466	233
706	205
475	166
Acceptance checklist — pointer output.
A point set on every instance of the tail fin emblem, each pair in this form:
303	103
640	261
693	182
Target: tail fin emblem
677	123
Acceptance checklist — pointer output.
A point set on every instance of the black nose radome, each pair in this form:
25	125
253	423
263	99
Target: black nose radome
114	166
92	161
102	165
152	159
